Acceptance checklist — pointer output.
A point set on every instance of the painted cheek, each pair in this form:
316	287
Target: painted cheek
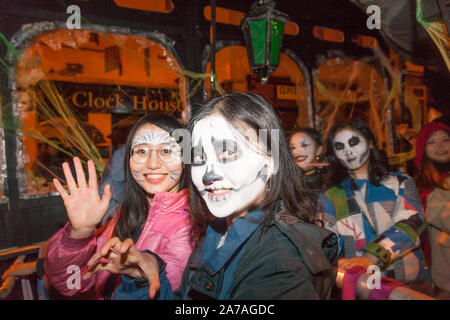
294	152
197	173
232	172
137	175
340	154
174	175
311	151
365	156
361	149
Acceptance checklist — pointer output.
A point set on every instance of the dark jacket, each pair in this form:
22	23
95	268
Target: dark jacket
288	260
315	181
114	175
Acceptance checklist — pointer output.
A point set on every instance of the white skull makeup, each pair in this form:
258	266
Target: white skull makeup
229	173
303	148
351	148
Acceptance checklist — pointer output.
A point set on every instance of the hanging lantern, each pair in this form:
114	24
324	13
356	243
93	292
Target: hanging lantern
263	29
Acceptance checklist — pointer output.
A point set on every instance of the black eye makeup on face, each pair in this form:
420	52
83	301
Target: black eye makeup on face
338	146
198	156
226	150
353	141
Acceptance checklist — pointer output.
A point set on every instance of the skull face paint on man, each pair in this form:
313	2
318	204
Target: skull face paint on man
351	148
229	173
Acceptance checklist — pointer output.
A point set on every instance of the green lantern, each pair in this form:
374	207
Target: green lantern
263	29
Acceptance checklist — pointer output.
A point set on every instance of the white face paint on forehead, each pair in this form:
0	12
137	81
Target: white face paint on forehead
147	136
229	173
351	148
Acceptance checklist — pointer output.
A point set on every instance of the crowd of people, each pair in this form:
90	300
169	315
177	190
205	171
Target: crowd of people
229	207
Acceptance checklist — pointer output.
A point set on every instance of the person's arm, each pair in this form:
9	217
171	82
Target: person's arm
172	261
438	209
275	273
277	285
326	214
138	288
65	261
403	236
113	175
71	247
176	255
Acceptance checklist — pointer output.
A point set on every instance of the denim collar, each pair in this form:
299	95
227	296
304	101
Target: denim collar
239	232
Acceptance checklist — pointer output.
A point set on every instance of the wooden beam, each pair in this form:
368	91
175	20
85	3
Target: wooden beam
162	6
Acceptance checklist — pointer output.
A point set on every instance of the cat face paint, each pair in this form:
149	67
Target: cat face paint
229	173
303	148
351	148
146	136
154	175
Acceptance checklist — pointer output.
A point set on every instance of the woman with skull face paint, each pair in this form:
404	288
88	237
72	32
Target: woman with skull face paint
307	149
260	242
377	215
154	216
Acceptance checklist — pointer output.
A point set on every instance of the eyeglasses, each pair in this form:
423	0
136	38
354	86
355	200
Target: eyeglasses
140	154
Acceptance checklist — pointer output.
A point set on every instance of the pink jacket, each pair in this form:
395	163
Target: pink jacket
166	233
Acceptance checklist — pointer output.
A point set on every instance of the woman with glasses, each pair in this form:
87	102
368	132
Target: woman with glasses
154	216
260	242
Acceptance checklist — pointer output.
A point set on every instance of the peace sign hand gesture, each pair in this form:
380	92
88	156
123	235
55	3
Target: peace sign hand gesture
83	205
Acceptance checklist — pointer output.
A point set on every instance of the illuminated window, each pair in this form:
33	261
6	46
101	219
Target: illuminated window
79	92
286	89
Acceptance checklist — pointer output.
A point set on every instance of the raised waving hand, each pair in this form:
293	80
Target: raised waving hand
83	204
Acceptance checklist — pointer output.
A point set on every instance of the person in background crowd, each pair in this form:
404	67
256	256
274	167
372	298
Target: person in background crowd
438	218
260	242
307	148
377	215
432	158
114	176
433	163
154	215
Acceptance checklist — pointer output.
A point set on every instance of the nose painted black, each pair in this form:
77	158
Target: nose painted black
210	176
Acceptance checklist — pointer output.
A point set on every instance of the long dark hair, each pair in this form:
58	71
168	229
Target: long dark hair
286	184
135	206
377	162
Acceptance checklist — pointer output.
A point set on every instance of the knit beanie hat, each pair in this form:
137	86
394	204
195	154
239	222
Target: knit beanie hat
423	136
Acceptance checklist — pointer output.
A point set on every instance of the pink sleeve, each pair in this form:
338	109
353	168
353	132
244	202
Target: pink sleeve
176	254
65	262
